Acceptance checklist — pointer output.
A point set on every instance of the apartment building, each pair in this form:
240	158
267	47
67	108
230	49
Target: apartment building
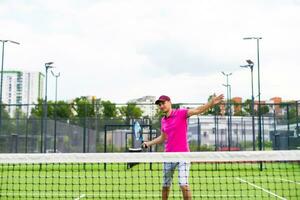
21	87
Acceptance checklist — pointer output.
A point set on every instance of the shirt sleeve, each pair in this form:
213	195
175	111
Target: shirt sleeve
183	113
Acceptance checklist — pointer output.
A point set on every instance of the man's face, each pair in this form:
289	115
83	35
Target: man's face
165	106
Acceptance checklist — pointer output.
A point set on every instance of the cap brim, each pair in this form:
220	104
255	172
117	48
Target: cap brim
158	101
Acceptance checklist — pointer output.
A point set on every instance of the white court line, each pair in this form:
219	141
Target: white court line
298	183
157	194
81	196
256	186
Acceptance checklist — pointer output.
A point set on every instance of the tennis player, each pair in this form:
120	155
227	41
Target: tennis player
174	134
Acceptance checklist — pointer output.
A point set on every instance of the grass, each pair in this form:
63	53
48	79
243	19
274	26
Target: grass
112	181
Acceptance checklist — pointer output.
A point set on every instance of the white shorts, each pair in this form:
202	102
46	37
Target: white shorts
183	173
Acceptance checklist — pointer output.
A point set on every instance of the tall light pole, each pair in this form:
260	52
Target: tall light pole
250	65
56	77
48	65
2	65
259	94
228	87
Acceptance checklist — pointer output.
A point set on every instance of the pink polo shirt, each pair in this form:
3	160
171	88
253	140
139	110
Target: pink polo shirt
175	127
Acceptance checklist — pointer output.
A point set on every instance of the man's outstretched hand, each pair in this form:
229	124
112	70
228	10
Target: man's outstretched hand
217	99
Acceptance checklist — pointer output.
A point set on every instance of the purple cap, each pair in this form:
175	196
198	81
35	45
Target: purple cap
162	98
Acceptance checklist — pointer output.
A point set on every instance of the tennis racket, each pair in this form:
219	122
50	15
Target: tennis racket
137	131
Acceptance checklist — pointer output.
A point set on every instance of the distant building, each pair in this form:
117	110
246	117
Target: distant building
20	87
147	105
277	101
238	102
204	129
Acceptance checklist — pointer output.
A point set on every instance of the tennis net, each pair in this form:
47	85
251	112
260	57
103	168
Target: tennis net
210	175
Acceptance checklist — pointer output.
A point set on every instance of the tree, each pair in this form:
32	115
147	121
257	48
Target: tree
247	106
62	109
109	109
264	109
131	111
18	123
5	121
19	113
83	107
216	110
176	105
38	109
159	114
292	115
238	111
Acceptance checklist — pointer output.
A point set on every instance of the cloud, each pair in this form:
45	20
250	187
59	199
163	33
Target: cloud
121	50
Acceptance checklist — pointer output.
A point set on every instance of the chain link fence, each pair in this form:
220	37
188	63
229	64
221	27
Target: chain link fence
25	131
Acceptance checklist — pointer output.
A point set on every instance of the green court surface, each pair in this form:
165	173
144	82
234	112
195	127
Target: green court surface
144	181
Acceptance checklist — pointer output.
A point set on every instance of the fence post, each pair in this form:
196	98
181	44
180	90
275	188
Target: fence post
215	131
274	119
288	123
84	128
42	127
105	136
55	131
150	135
297	119
263	132
26	129
198	133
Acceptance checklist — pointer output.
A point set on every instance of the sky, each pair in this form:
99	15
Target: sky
119	50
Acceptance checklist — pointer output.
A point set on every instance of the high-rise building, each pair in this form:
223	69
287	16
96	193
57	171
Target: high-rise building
21	87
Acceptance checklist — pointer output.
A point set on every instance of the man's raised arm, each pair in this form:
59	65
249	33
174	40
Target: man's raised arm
201	109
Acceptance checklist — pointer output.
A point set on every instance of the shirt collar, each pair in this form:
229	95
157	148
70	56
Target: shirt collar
171	115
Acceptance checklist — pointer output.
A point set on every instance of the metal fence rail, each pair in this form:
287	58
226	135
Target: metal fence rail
23	131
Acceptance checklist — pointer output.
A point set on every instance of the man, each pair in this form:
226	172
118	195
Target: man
174	134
